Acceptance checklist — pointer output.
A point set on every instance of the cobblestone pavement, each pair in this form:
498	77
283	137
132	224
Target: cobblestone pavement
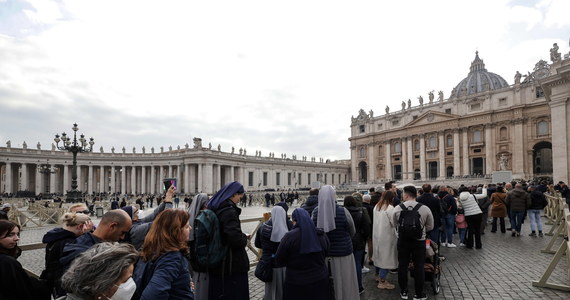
503	269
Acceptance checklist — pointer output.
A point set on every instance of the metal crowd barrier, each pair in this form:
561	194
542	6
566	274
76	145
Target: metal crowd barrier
559	214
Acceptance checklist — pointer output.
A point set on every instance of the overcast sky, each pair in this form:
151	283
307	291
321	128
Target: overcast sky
275	76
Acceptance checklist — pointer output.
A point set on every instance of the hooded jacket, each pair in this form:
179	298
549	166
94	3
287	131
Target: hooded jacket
311	203
56	239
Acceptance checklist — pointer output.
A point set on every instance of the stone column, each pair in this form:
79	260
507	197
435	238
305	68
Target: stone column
186	178
80	185
518	150
371	162
39	188
354	161
143	180
169	175
113	183
152	179
232	175
90	180
422	157
207	181
9	176
52	182
179	177
559	110
123	180
410	155
456	153
441	163
66	183
489	151
465	146
25	178
404	157
134	180
200	178
102	180
388	158
192	179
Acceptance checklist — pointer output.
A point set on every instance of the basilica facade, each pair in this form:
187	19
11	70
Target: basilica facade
485	125
197	168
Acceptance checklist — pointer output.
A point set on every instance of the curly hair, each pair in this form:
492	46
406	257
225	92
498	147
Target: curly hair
96	270
164	234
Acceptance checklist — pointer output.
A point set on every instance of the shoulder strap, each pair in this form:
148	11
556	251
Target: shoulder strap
417	207
403	207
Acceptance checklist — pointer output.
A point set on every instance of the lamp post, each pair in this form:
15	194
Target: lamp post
74	146
46	169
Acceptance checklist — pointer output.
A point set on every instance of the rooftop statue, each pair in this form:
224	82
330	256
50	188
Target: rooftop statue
387	109
431	97
421	100
409	104
440	96
403	105
39	146
143	149
554	54
518	76
24	145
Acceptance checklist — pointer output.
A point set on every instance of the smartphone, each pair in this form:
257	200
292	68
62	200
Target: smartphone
167	182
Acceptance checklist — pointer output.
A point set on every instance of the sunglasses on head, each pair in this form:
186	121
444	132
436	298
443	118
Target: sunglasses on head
83	211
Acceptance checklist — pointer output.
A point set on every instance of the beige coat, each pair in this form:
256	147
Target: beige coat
384	239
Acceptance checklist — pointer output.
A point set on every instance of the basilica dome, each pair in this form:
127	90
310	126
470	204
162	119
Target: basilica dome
478	80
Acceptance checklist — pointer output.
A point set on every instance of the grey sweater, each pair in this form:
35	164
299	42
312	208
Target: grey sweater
426	218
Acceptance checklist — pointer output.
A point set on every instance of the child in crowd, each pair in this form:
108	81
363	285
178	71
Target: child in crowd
461	225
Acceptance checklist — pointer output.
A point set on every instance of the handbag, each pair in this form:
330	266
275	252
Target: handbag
264	270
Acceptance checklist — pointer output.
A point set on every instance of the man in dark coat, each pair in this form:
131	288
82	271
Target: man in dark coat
429	200
312	201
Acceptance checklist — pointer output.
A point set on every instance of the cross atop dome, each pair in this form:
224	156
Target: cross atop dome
477	64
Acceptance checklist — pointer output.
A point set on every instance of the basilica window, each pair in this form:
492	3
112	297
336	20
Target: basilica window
542	128
416	145
395	122
449	140
398	147
539	92
477	136
432	142
503	134
361	128
362	152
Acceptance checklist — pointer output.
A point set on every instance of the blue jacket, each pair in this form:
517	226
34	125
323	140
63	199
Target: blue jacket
311	203
340	238
73	250
170	278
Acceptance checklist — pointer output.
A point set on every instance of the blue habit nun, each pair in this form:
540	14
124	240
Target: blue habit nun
302	251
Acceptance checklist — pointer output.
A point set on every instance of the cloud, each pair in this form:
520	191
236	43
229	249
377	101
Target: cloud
276	77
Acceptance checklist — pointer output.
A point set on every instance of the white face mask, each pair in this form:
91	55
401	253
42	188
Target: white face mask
125	291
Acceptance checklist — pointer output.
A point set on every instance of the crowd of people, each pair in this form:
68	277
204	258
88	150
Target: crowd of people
317	253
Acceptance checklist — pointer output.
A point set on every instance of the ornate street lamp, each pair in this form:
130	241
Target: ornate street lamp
74	146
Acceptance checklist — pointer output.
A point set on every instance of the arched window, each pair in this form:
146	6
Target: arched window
449	140
542	128
416	145
432	142
503	134
362	152
398	147
477	136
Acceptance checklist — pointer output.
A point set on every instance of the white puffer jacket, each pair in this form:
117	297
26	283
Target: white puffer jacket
469	202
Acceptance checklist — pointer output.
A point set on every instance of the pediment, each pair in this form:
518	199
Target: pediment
431	117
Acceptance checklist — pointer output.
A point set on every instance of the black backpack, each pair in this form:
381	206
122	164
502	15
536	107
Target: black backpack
409	225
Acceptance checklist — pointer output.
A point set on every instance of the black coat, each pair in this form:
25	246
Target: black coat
236	260
302	269
362	225
15	284
429	200
56	239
